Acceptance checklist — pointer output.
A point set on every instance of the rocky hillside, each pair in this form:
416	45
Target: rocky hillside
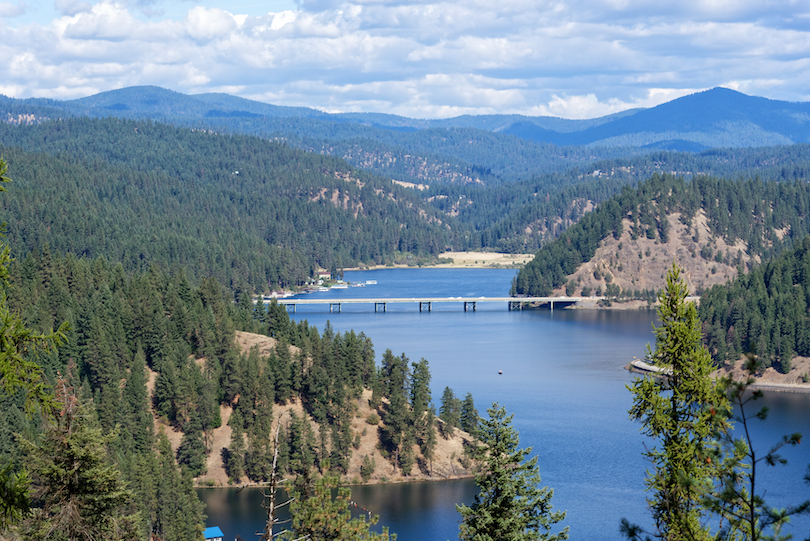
712	227
638	265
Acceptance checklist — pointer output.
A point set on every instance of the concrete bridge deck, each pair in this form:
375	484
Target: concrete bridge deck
426	303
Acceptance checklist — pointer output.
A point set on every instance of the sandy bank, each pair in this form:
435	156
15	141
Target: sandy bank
464	260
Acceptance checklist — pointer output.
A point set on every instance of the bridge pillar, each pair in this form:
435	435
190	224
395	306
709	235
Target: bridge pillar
291	306
429	307
332	305
469	302
378	304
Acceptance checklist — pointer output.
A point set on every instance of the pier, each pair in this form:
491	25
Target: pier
426	303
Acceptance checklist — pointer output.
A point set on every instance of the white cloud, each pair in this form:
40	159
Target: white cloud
589	106
578	59
72	7
206	24
10	9
105	21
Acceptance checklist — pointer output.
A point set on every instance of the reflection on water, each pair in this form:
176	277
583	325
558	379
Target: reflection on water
413	510
563	378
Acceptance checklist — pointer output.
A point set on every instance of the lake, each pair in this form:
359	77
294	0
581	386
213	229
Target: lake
562	378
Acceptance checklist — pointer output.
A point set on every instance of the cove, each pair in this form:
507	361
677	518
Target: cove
564	381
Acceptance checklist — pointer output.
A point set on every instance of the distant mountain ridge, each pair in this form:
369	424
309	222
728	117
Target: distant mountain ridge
719	117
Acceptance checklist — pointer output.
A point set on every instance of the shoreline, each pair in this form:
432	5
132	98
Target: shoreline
461	260
349	483
770	386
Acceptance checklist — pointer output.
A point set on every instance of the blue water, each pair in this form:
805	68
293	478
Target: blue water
563	379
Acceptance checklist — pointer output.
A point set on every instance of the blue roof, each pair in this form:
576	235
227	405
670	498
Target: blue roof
213	532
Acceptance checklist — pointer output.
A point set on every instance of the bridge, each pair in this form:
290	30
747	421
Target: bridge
426	303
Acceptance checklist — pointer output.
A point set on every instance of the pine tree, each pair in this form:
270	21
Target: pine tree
317	515
420	388
398	416
510	504
179	511
469	415
138	422
18	370
680	413
236	450
428	443
738	496
79	492
192	452
367	468
449	412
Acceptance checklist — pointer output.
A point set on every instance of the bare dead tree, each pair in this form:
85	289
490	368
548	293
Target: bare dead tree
270	496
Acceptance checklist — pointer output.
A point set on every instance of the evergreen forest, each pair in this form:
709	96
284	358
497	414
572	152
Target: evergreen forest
497	182
246	211
153	344
764	312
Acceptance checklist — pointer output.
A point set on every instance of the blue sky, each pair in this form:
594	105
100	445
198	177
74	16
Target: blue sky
423	59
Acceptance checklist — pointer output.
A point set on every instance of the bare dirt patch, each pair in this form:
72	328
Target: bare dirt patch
772	380
484	259
246	341
642	263
446	463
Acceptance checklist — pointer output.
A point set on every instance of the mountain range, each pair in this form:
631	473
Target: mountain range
714	118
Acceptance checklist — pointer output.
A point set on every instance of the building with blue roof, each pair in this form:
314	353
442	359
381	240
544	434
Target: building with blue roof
213	534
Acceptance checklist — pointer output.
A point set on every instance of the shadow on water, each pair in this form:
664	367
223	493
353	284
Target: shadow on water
423	510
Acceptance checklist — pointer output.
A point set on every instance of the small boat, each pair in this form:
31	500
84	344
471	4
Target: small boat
340	286
371	282
500	372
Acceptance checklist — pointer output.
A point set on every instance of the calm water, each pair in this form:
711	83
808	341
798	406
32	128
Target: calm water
563	378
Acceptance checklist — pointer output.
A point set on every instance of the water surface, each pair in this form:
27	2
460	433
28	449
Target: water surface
563	378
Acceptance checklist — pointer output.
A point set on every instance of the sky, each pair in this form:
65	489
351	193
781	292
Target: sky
420	59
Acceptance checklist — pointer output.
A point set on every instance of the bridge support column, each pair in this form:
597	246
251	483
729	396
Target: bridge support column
469	302
333	305
552	305
429	306
291	308
379	304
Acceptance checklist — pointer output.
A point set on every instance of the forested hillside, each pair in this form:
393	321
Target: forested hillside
763	311
152	345
496	191
705	224
436	151
247	211
522	216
